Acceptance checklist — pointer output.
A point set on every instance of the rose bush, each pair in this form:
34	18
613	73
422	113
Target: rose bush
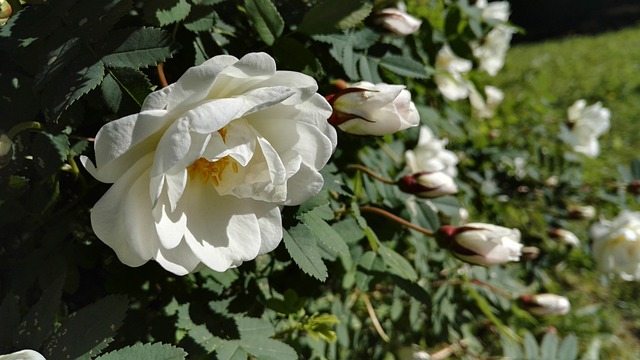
616	245
200	174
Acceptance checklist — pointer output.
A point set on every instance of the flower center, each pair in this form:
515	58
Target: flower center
211	170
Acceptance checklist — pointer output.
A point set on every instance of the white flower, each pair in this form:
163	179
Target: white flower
495	10
493	50
545	304
449	76
430	155
585	125
23	355
397	21
481	244
485	107
200	174
564	236
367	109
428	185
581	212
616	245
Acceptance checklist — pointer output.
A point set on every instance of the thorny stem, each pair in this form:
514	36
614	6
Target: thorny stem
374	317
371	173
163	79
396	219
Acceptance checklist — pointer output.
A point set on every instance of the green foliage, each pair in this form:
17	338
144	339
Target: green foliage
266	19
146	351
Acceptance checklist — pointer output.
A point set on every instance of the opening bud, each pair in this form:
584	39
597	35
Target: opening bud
428	185
545	304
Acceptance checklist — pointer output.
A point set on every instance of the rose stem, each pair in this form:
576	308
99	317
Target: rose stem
371	173
163	79
374	317
396	219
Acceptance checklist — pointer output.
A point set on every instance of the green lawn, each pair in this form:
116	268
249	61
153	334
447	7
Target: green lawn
600	68
546	78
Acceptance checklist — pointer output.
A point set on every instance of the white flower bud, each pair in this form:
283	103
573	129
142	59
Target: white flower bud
545	304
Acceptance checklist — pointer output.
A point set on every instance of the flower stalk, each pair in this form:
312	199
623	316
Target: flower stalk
396	218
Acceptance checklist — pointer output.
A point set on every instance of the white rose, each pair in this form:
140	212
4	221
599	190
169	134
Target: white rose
485	107
430	155
367	109
545	304
23	355
493	50
495	10
585	125
397	21
201	172
481	244
616	245
449	76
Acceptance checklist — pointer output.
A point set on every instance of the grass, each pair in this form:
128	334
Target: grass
602	68
546	78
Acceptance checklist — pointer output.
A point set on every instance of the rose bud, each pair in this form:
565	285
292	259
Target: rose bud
481	244
5	12
397	21
581	212
564	236
634	187
368	109
545	304
428	185
6	150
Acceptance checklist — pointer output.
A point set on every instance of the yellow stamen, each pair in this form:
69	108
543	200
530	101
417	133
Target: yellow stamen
211	170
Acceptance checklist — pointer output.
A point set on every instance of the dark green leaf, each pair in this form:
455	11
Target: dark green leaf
156	351
165	12
397	264
404	66
293	55
331	15
38	323
326	234
89	330
265	19
201	18
452	21
132	83
136	48
111	93
303	248
49	152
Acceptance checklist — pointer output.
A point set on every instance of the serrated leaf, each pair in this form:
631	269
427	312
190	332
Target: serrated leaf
404	66
568	348
88	330
165	12
111	93
38	323
426	217
49	152
266	19
326	234
155	351
136	48
549	346
397	263
303	248
201	18
368	69
134	83
269	349
331	15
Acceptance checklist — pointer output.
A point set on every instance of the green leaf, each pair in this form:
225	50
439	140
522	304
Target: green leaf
136	48
49	152
294	55
134	83
452	21
635	169
549	346
89	330
530	346
368	69
303	248
326	234
265	19
397	264
38	323
254	340
156	351
201	18
568	348
111	93
404	66
426	217
165	12
331	15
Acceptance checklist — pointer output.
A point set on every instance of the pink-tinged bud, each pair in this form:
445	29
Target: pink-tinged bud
634	187
397	21
5	12
481	244
368	109
545	304
564	236
581	212
6	150
428	185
